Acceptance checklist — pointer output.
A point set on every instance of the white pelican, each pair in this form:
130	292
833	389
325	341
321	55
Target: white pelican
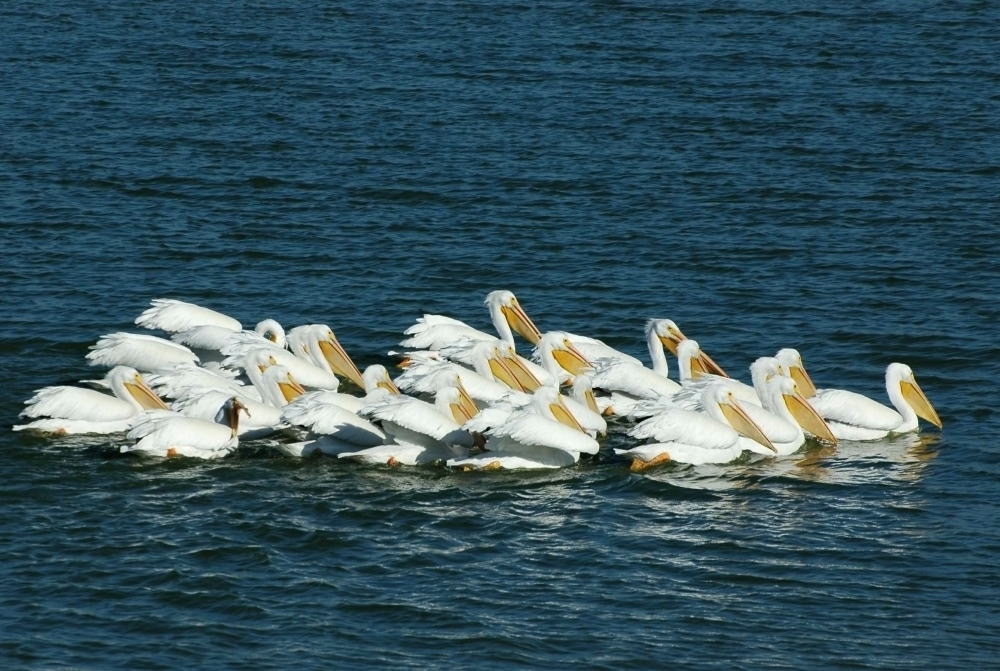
304	371
563	360
172	316
785	414
435	331
318	343
171	435
691	437
63	410
852	416
375	377
542	434
171	382
334	429
275	386
421	433
792	361
208	340
428	374
671	337
142	352
628	382
693	370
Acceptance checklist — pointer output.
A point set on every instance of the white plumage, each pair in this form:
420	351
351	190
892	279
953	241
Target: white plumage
172	316
135	350
64	409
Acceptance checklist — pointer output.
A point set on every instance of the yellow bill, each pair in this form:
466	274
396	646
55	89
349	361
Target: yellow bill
914	395
501	371
743	424
521	322
144	395
290	389
563	414
339	361
526	380
571	359
802	380
808	418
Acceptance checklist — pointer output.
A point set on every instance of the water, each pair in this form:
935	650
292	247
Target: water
768	175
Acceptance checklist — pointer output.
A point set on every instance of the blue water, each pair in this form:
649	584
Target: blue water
817	175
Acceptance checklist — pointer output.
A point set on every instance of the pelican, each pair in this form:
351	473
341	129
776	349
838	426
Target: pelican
334	429
64	410
421	432
557	354
304	371
209	340
435	331
171	435
671	337
628	382
276	387
142	352
852	416
694	372
428	374
375	377
792	361
173	316
691	437
785	414
542	434
318	343
171	382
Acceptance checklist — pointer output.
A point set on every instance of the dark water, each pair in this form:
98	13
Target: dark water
824	176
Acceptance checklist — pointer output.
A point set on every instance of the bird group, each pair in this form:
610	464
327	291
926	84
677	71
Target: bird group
465	398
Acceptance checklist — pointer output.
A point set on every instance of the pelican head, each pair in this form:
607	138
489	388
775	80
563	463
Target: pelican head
128	385
548	402
792	361
514	373
229	414
692	362
720	397
280	378
786	391
377	377
762	370
671	337
900	376
271	330
455	401
504	304
556	346
336	356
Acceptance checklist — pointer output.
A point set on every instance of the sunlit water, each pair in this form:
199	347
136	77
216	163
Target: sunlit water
823	177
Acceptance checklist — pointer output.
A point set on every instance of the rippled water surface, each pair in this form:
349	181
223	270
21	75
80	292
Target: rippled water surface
823	176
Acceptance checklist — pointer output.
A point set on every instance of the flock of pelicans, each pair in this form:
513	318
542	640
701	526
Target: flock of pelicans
471	401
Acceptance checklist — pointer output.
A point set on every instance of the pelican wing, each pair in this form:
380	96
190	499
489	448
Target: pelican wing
158	432
594	349
428	376
305	373
171	315
172	381
847	407
328	419
436	331
637	381
412	414
687	427
528	428
142	352
77	404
